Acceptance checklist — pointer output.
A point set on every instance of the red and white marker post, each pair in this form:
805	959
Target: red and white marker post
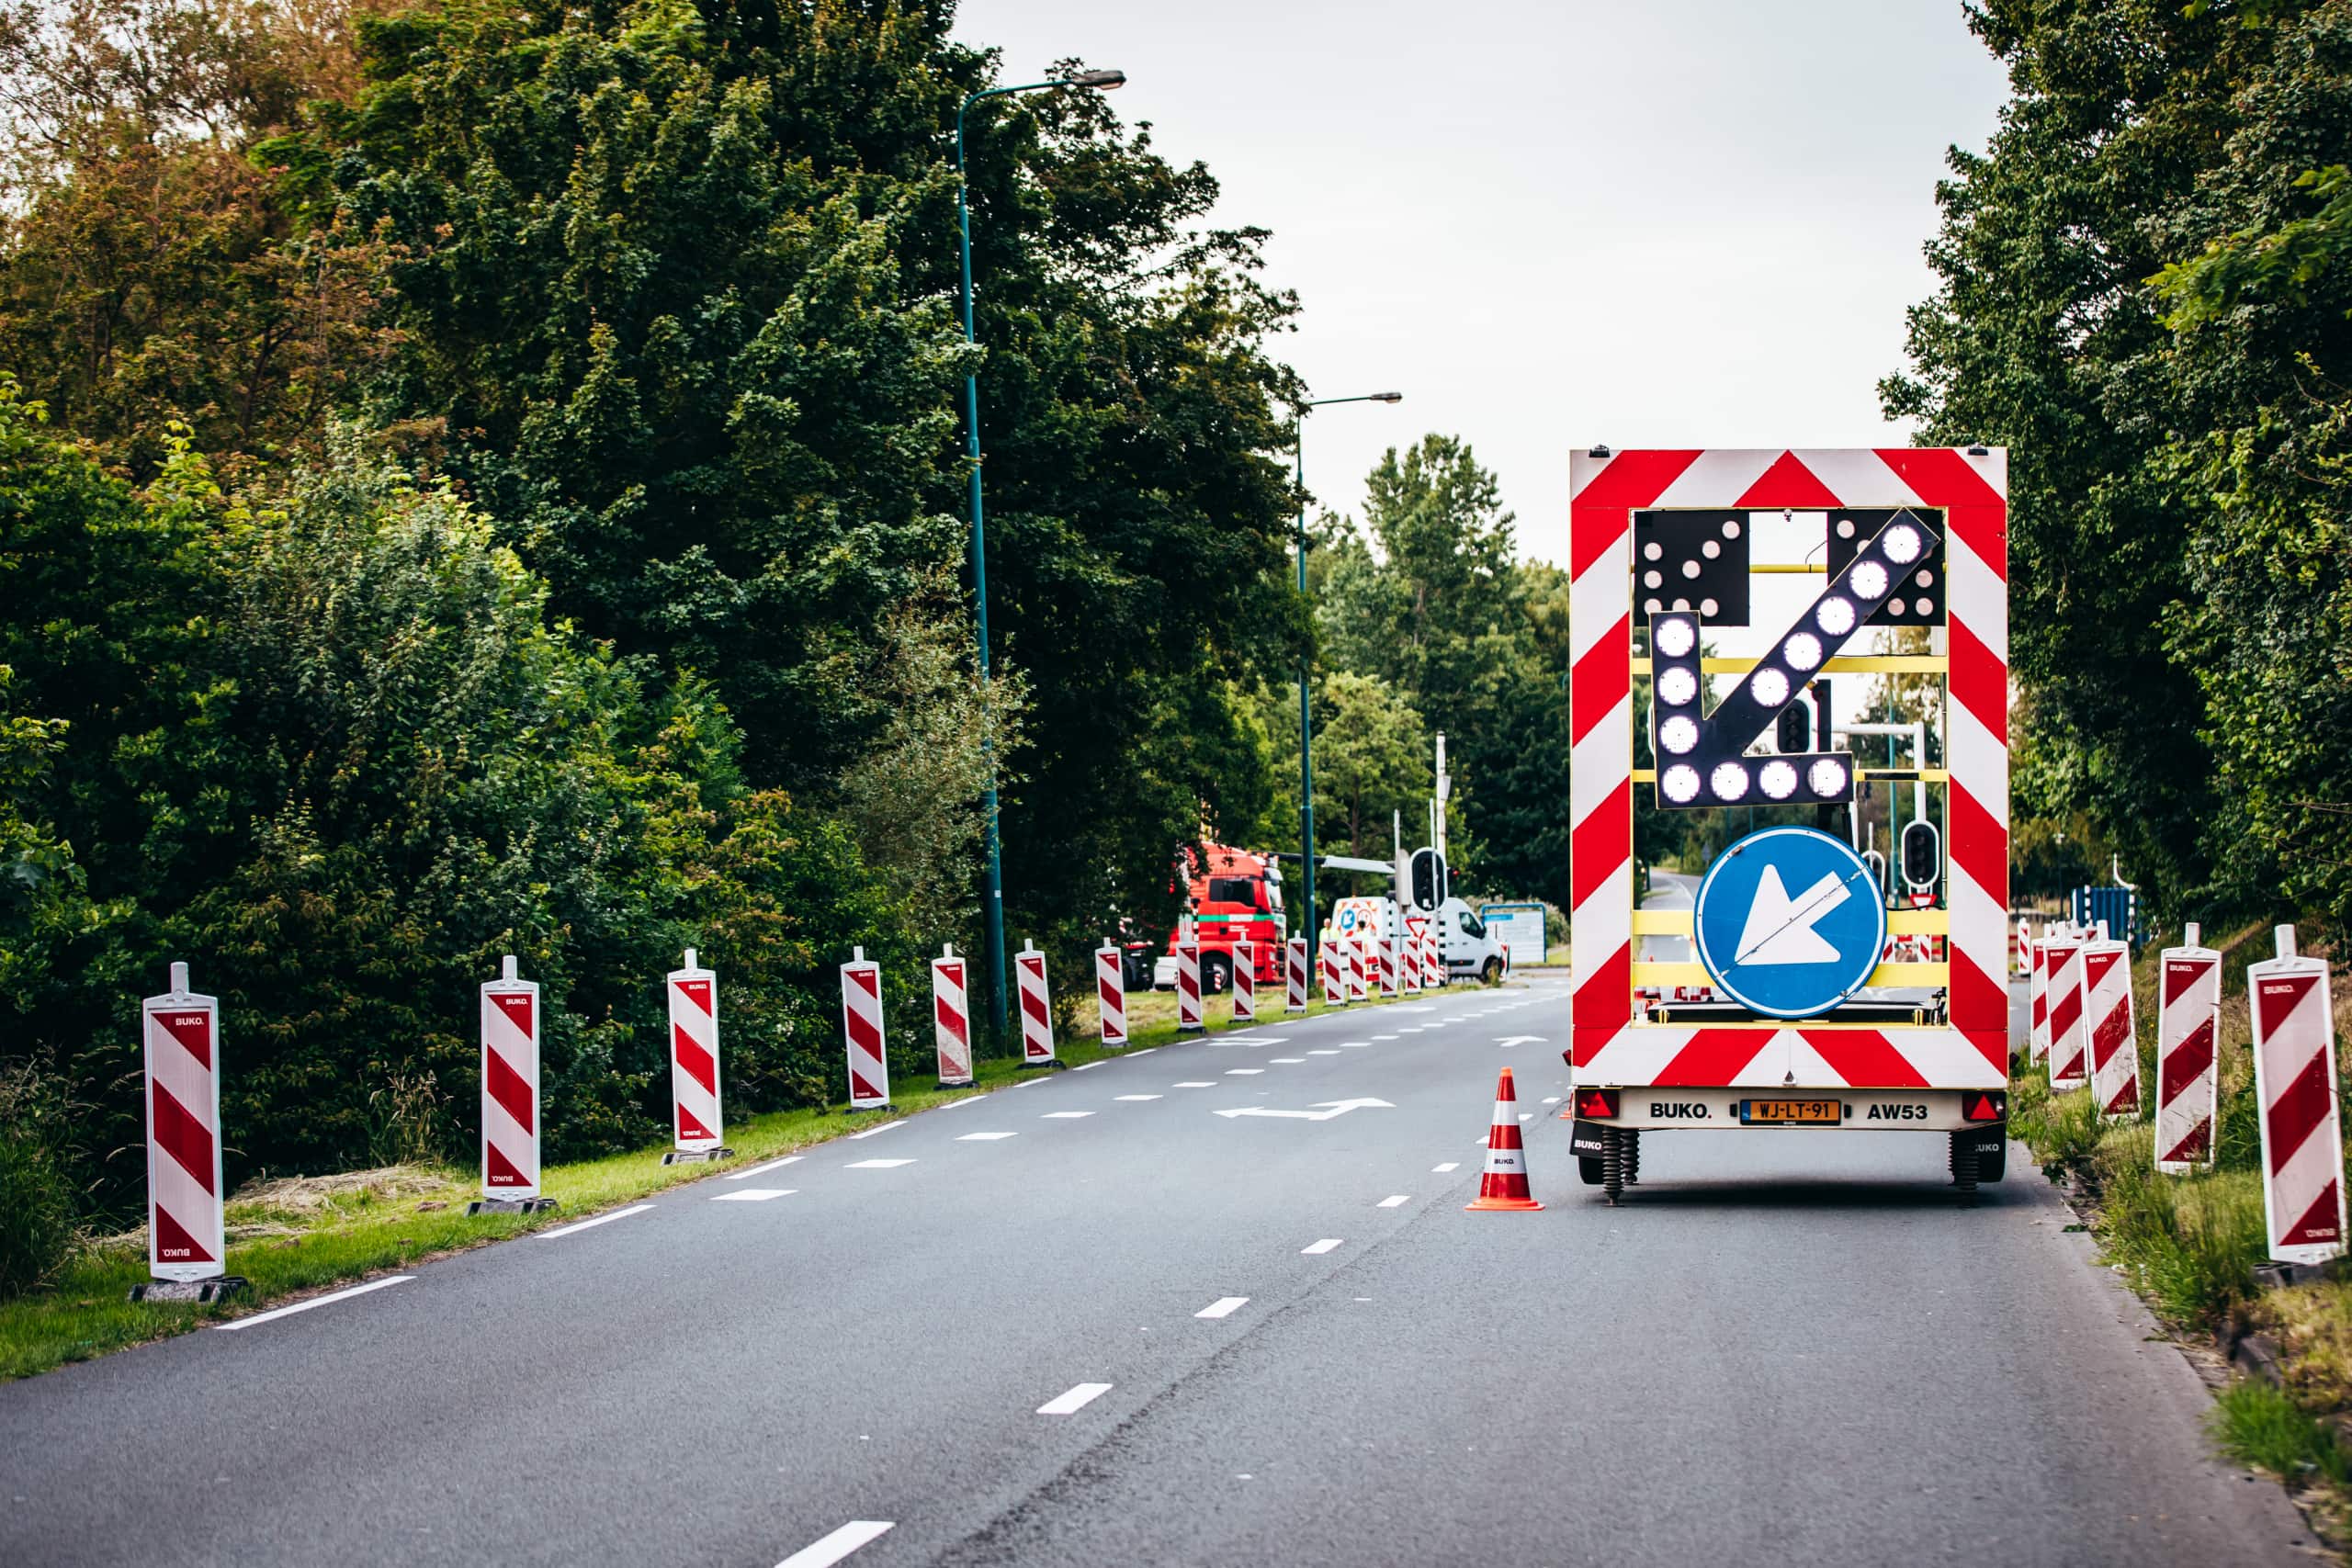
862	1033
509	1095
1385	954
1188	1020
2114	1032
1295	975
1244	982
695	1123
1331	963
2037	992
951	1018
2294	1079
2069	1052
2188	1032
187	1242
1359	966
1434	959
1036	1009
1111	994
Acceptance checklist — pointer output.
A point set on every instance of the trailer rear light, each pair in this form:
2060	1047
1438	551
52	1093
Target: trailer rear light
1984	1108
1596	1104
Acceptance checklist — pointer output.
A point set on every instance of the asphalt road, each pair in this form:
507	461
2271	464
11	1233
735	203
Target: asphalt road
1787	1347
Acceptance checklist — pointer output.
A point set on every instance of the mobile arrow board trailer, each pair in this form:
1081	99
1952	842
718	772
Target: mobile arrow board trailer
1797	556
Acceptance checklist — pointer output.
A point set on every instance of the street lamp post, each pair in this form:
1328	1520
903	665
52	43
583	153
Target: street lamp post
1306	723
1102	81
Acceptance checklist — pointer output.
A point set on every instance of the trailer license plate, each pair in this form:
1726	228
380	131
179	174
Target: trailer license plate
1790	1110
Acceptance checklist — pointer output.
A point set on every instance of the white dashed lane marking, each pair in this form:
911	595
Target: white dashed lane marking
754	1194
985	1137
1449	1165
1139	1097
1077	1399
828	1550
877	1164
1243	1072
590	1224
1323	1053
1395	1201
1193	1086
1224	1306
1326	1244
1287	1061
1064	1115
276	1312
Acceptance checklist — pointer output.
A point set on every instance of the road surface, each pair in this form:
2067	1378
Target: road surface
1090	1321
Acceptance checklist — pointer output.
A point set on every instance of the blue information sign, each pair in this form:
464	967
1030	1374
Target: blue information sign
1790	922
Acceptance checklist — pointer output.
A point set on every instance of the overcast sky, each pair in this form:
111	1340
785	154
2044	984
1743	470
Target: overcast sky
1551	223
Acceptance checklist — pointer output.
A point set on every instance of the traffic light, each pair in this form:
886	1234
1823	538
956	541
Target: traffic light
1923	857
1428	877
1794	725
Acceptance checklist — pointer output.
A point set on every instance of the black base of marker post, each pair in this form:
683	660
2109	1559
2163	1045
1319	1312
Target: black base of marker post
697	1156
2281	1276
219	1289
959	1083
512	1205
1050	1065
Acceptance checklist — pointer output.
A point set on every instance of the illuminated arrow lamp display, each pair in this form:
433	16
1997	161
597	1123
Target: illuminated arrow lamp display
1701	756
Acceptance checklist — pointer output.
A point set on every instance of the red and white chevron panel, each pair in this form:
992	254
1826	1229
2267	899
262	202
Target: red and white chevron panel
694	1119
2294	1077
2037	990
951	1018
1036	1006
510	1085
1295	975
1331	960
1360	968
2070	1060
1971	490
1244	982
186	1235
862	1033
2188	1032
2114	1034
1111	994
1188	986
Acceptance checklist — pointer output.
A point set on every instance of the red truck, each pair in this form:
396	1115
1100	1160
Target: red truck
1237	897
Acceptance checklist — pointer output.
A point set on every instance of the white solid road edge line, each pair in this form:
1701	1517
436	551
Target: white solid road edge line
599	1220
831	1548
871	1130
262	1317
1077	1399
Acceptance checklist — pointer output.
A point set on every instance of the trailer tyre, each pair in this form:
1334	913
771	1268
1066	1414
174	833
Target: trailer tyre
1216	972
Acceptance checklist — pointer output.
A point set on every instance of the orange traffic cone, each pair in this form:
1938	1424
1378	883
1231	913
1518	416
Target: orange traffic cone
1505	1184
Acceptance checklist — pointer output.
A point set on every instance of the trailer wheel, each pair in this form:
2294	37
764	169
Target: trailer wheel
1216	972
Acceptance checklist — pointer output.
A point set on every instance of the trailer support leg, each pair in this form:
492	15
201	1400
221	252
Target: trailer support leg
1632	1137
1613	1165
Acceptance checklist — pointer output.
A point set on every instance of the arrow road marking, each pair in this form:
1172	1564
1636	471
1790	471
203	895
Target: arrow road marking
1325	1111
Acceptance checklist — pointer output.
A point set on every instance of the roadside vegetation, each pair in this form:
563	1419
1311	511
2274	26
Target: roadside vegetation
296	1235
2189	1243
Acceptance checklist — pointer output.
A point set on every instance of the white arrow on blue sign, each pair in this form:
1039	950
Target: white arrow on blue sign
1789	922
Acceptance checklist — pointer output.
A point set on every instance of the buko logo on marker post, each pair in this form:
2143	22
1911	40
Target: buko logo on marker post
509	1095
697	1126
2188	1025
1111	994
187	1242
862	1033
951	1019
2294	1080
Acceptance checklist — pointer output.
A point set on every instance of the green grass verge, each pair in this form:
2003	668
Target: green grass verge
300	1237
2261	1426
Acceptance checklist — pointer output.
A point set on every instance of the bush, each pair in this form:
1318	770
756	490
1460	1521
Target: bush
37	1199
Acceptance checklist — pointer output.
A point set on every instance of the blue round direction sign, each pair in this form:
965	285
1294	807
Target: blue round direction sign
1790	922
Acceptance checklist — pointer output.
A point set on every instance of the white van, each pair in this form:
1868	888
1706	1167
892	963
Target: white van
1471	951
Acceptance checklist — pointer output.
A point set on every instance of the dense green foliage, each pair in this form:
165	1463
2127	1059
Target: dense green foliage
502	491
2145	296
1429	622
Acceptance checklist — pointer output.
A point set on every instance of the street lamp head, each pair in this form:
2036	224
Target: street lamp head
1102	81
1387	396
